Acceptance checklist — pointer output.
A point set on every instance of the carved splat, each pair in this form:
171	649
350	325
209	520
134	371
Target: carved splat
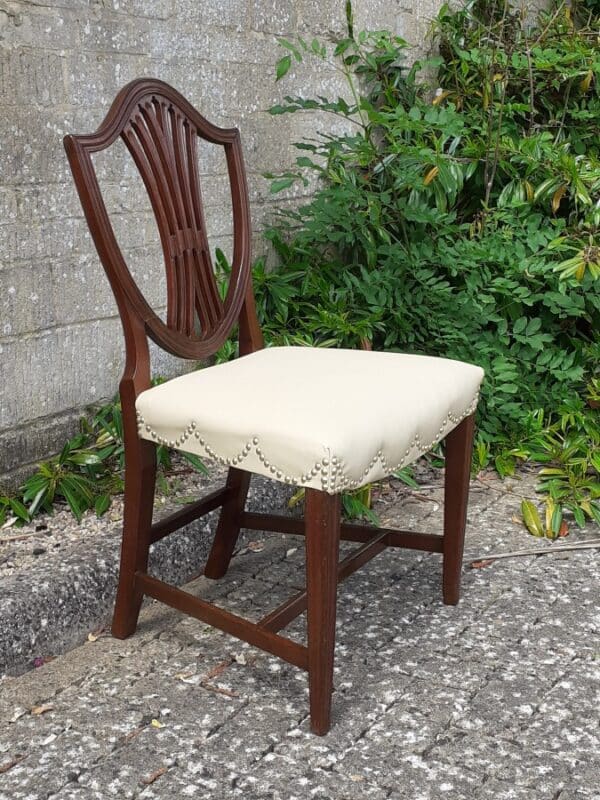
161	129
162	141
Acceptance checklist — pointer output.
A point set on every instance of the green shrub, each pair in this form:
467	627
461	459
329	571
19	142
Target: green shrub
459	219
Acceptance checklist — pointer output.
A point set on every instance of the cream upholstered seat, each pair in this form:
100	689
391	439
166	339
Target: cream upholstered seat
329	419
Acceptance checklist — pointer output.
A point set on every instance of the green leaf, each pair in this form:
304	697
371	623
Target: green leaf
282	183
533	326
595	510
196	462
304	161
342	46
531	518
350	19
406	476
37	499
283	66
579	516
505	465
74	501
85	458
520	325
19	509
556	522
102	504
291	47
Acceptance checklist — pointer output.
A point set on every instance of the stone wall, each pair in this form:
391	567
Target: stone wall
61	64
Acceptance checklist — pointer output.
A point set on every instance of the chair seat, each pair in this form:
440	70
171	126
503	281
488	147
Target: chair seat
329	419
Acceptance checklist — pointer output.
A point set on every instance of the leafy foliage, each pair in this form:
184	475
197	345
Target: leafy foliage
568	444
85	474
459	219
69	476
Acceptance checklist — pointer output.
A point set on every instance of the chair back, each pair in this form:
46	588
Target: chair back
160	128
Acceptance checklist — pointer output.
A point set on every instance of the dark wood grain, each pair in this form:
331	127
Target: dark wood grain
140	472
160	129
228	529
277	523
322	547
459	449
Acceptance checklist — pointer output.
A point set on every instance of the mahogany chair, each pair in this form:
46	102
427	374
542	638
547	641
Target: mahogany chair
327	420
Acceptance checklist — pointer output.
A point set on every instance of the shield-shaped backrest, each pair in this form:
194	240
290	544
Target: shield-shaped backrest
160	129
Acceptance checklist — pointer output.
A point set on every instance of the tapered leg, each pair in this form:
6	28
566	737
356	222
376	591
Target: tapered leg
459	450
322	520
228	528
140	478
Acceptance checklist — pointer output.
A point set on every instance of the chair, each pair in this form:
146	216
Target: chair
328	420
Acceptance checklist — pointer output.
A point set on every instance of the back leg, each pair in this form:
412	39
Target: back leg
228	529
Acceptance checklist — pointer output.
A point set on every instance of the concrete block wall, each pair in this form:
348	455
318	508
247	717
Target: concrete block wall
61	64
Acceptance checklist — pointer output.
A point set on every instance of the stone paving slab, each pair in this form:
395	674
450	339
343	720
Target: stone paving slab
497	698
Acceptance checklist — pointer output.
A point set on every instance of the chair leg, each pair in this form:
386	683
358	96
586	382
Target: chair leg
459	450
140	478
228	528
322	520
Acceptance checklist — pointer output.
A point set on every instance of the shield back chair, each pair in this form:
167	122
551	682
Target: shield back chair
325	419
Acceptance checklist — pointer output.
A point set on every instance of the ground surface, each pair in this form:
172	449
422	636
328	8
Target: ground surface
47	535
496	698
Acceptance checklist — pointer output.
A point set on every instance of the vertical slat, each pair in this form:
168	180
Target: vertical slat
179	268
206	322
322	520
201	289
162	140
203	292
191	136
183	176
183	168
160	121
208	293
137	141
139	124
459	449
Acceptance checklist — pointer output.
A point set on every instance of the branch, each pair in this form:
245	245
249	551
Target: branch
549	25
538	551
531	90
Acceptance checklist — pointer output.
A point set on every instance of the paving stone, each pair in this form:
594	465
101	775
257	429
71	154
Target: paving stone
507	702
499	790
580	794
413	775
281	778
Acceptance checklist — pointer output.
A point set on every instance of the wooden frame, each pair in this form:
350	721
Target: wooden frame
159	128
